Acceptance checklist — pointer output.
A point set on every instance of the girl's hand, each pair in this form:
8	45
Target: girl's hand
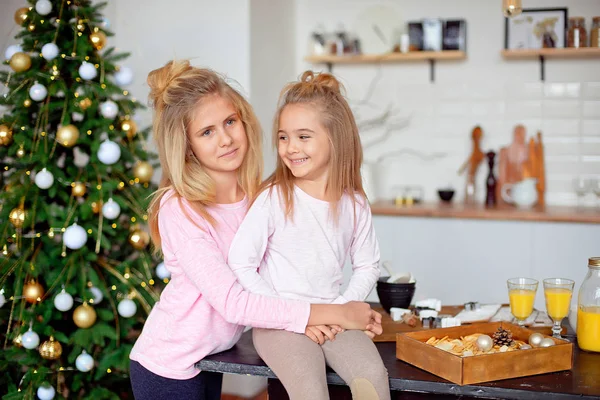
359	315
320	333
373	330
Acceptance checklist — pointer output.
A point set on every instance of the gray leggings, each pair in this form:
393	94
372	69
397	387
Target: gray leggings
299	363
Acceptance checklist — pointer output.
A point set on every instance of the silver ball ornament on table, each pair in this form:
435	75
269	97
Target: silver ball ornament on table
547	342
535	339
485	343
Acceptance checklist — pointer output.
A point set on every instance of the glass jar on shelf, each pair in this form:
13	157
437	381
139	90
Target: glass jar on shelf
595	32
576	33
588	309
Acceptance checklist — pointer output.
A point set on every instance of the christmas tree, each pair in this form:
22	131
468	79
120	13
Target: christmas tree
76	277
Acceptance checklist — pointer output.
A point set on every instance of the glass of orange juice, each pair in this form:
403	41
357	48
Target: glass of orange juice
558	293
521	292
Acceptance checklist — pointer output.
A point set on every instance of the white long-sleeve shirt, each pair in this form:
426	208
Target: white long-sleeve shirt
303	258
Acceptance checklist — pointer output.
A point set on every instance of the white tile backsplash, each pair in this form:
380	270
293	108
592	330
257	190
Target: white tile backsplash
591	109
560	127
524	109
561	109
590	127
591	90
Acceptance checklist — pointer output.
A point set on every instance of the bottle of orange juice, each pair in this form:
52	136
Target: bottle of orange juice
588	309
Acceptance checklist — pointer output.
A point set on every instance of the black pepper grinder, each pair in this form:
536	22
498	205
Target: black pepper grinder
490	198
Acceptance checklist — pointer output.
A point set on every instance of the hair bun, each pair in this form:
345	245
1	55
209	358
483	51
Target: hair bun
160	79
322	79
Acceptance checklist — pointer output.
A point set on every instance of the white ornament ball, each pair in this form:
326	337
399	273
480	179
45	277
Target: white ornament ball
124	76
162	272
105	24
109	109
46	392
547	342
75	237
30	340
111	209
63	301
43	7
50	51
11	50
80	159
535	339
98	296
60	94
44	179
109	152
126	308
485	343
84	362
77	117
2	300
38	92
87	71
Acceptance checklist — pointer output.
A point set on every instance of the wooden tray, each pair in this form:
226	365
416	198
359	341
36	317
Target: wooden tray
411	348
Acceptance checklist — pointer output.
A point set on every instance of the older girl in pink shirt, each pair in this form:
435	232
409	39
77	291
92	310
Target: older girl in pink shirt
209	145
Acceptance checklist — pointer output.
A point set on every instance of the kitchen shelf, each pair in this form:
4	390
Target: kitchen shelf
431	56
588	215
542	54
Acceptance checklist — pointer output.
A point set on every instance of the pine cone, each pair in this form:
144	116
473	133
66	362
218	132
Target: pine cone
503	337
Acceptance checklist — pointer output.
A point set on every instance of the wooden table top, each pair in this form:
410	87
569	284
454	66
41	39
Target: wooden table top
582	382
590	215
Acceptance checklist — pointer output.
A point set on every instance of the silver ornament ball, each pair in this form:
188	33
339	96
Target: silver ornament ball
485	343
535	339
547	342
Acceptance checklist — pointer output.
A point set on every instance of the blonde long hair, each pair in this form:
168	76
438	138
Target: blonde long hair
323	92
175	91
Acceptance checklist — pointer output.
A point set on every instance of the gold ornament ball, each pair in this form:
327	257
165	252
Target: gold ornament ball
67	135
20	62
18	341
21	152
33	291
84	104
129	127
21	15
98	40
84	316
143	171
78	189
5	135
96	206
17	217
27	103
139	239
50	349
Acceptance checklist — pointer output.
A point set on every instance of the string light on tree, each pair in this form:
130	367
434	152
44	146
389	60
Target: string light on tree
84	362
38	92
46	391
44	179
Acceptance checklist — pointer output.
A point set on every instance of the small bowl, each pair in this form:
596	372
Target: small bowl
446	195
394	294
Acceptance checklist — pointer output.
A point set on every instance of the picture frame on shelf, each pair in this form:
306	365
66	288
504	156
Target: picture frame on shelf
536	28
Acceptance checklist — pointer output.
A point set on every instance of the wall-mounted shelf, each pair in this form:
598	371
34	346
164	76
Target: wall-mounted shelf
542	54
431	56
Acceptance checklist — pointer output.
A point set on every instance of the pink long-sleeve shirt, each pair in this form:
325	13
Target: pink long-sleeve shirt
303	258
203	309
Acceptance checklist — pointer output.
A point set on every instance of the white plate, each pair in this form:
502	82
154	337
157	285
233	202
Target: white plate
378	28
